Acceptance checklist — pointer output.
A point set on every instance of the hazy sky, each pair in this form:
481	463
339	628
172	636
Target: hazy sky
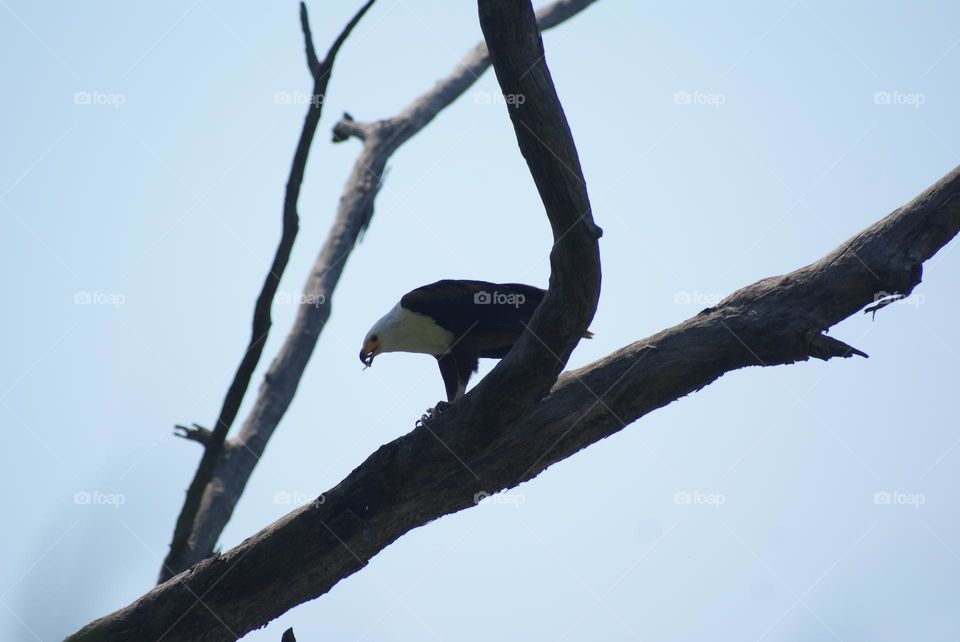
721	142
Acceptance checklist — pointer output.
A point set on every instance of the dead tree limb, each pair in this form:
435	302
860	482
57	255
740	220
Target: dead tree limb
414	479
531	368
381	139
183	548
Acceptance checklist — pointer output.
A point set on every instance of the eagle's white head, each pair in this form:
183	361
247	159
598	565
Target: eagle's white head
401	330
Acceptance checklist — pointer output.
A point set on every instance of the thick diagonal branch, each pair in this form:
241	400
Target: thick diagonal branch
380	140
415	479
183	548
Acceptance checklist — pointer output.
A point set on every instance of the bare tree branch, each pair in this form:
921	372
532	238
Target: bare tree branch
528	371
183	548
380	140
194	432
397	130
414	479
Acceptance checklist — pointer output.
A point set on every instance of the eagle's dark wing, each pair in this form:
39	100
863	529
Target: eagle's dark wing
478	307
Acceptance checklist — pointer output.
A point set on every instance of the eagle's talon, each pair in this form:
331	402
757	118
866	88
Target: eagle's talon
432	413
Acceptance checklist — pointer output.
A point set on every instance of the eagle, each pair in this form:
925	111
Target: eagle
458	322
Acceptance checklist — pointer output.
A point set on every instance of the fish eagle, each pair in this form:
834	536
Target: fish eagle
458	322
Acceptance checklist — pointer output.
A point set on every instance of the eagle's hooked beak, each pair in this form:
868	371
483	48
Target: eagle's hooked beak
371	348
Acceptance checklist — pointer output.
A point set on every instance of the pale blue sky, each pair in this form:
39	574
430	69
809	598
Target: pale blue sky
161	202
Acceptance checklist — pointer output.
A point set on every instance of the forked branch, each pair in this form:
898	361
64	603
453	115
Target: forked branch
185	549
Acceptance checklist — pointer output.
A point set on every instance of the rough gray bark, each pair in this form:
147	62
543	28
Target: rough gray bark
414	479
380	139
183	547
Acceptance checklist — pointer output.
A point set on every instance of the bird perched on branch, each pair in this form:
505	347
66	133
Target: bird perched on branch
458	322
